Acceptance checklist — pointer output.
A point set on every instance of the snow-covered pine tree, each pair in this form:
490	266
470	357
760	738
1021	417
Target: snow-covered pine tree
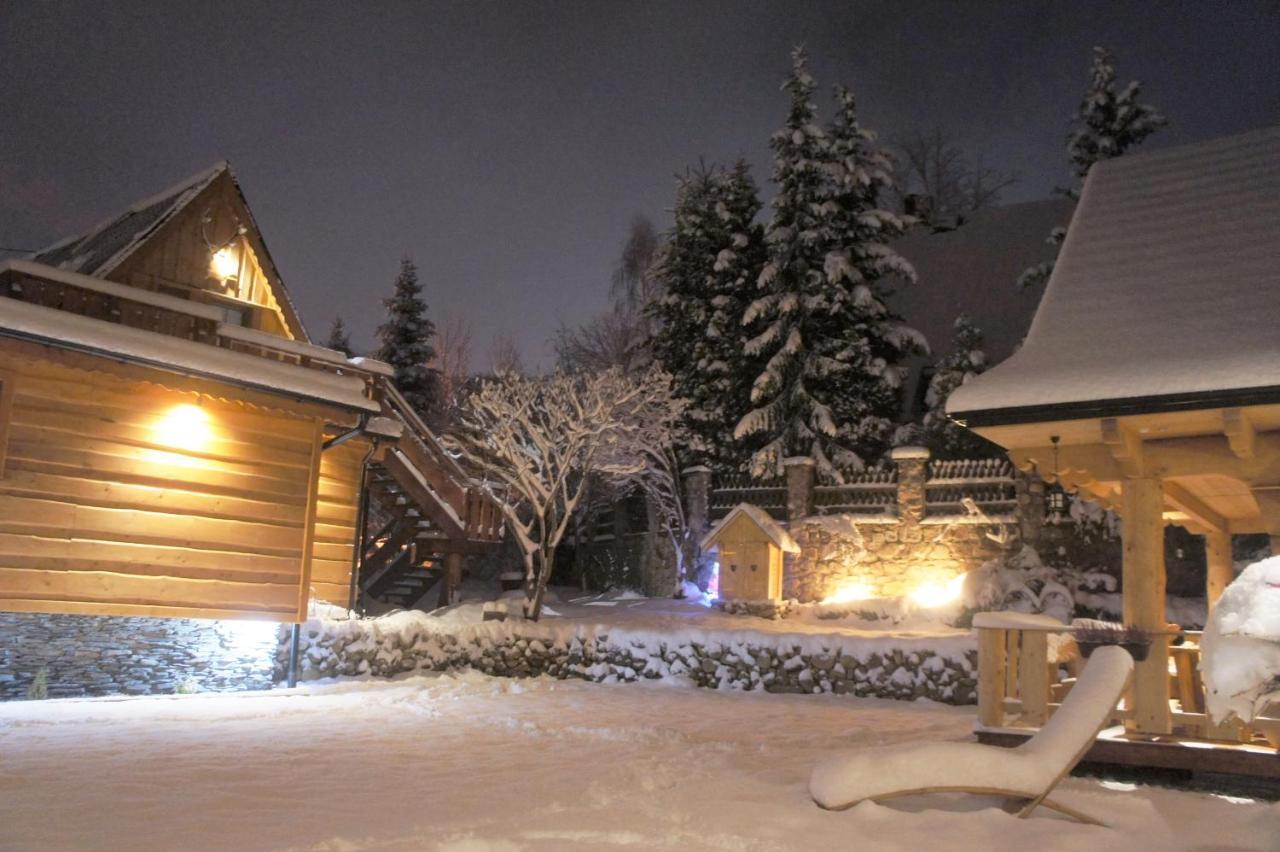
680	315
406	343
829	387
339	340
1109	122
964	361
707	271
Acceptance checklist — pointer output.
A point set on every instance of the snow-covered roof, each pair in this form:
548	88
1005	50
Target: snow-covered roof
762	519
1164	295
104	246
173	354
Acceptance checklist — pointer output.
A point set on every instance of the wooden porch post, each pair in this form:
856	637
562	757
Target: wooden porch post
1218	568
451	579
1144	602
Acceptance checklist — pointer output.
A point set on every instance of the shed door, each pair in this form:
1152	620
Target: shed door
754	568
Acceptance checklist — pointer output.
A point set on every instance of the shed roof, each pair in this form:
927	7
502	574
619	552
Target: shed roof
760	518
1164	297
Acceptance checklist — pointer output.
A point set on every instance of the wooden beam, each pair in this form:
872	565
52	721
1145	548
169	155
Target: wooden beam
1143	577
991	665
1240	433
1125	446
1189	504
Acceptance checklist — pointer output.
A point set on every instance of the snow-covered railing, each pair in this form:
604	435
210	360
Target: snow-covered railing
768	494
869	492
959	486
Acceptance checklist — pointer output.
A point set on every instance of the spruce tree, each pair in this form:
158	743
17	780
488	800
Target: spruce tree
946	439
832	348
339	340
1108	122
707	271
406	343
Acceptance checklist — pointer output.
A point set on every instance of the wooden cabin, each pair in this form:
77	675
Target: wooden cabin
1150	382
749	545
172	444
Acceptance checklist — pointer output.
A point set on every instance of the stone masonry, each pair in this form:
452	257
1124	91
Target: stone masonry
99	655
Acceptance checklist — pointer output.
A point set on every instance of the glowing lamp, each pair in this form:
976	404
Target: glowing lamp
224	264
935	593
184	427
850	592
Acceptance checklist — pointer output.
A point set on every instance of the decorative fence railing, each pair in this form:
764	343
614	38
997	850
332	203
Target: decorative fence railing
970	487
768	494
870	492
951	488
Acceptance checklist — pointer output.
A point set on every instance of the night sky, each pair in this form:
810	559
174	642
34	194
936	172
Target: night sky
506	146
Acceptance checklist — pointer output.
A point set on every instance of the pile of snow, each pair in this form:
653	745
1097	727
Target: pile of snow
851	777
1240	649
469	762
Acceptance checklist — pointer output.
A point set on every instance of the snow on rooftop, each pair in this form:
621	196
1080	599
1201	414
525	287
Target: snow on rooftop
1167	284
762	519
101	248
72	331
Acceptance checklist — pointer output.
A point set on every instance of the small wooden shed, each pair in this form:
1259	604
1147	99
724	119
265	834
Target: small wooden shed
749	546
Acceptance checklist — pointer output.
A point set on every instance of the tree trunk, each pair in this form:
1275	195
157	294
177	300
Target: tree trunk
546	557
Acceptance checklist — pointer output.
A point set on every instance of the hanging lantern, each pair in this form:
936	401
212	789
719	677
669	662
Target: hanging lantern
1055	502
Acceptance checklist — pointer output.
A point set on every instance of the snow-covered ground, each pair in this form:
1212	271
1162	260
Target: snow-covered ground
470	762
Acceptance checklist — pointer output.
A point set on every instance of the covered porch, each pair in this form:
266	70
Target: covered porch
1150	383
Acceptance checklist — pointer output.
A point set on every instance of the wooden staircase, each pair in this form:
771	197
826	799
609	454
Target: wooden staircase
425	514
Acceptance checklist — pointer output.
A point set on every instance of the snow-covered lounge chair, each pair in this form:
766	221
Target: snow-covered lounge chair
1025	775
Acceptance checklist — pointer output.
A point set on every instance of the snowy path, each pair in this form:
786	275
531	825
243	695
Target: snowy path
471	762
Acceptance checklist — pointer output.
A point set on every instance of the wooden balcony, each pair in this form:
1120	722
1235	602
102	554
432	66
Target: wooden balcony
1028	664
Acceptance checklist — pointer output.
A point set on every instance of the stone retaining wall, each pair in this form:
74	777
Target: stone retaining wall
804	664
99	655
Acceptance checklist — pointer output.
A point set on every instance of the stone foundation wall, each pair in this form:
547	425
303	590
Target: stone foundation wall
99	655
877	669
889	558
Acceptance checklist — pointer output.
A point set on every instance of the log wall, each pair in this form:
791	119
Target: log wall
112	504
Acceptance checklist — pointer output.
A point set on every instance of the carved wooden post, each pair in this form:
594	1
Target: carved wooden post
1144	589
1218	568
913	472
800	480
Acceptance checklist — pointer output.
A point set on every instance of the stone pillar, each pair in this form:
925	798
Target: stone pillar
800	471
697	499
1030	493
913	471
1143	580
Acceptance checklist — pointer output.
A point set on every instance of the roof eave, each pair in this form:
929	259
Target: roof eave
1093	409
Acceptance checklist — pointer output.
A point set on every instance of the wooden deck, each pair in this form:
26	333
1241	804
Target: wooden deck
1197	757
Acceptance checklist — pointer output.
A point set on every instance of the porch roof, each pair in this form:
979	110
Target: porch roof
1164	296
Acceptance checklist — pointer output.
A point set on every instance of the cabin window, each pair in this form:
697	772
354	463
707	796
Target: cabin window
6	412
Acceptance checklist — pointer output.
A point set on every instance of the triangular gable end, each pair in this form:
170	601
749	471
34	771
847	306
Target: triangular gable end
164	244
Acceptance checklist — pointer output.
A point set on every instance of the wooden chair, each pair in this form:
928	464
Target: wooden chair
1025	775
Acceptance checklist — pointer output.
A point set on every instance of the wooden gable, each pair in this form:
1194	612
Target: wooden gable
178	259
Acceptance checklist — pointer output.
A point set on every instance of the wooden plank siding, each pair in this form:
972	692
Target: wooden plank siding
103	511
